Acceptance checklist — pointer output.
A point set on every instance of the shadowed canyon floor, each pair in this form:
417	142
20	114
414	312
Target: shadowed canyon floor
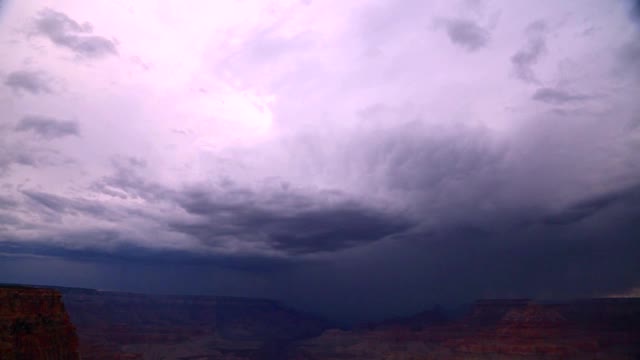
114	325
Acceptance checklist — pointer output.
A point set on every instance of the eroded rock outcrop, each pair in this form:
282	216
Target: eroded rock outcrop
34	325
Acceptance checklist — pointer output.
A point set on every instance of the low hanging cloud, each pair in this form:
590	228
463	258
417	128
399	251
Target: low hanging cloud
47	127
33	82
467	34
65	32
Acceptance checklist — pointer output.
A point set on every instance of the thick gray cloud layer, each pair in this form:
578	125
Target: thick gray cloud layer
68	33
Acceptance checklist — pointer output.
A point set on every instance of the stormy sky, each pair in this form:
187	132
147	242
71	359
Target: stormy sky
359	159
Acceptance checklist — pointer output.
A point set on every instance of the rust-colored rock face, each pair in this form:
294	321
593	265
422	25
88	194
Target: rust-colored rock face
34	325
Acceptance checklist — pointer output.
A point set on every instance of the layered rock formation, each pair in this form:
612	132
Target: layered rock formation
34	325
497	329
112	325
115	325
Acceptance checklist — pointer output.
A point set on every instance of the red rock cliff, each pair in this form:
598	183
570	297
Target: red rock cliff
34	325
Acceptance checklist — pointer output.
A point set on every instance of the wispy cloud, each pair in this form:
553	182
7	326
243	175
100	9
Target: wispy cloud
47	127
525	58
33	82
65	32
467	34
558	96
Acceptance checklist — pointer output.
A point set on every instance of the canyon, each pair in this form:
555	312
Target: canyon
494	329
35	325
41	323
117	325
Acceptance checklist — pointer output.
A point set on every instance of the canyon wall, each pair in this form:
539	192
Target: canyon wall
35	326
113	325
118	325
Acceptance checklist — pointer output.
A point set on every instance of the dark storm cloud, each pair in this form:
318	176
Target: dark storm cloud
635	10
591	257
33	82
589	248
482	220
476	212
66	32
557	96
445	172
467	34
47	127
278	219
102	244
292	223
591	242
524	59
115	247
